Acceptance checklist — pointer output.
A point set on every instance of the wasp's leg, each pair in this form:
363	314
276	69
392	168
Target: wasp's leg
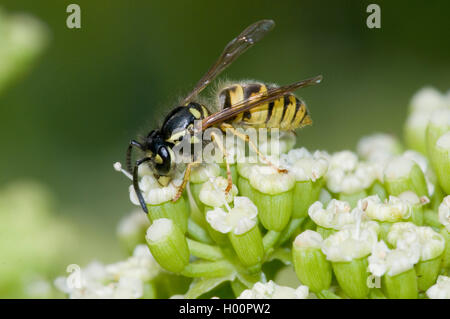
128	158
246	138
136	184
186	176
216	139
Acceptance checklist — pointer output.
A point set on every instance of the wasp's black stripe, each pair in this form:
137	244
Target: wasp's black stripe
298	104
248	91
269	111
225	99
285	106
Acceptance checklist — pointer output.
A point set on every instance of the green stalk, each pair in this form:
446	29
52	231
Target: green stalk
274	211
197	214
326	294
245	189
378	189
440	158
204	251
248	246
238	287
305	194
233	169
427	272
211	269
177	211
198	233
431	218
290	230
417	215
401	286
312	267
415	182
352	277
270	239
169	248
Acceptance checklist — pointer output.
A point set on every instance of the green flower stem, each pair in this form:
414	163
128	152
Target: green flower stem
204	251
325	232
378	189
274	211
309	224
427	272
150	291
415	182
270	239
312	267
245	189
446	254
431	218
197	214
210	269
352	277
353	199
290	230
401	286
248	246
326	294
305	194
440	159
170	248
417	216
198	233
177	211
238	287
433	133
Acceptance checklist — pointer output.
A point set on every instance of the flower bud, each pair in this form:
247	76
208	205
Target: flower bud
168	245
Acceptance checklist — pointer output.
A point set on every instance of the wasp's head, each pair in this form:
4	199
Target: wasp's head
161	154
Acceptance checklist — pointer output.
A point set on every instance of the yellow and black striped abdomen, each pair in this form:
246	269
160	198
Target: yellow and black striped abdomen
286	113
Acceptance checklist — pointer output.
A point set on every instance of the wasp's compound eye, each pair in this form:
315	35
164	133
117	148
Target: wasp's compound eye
162	161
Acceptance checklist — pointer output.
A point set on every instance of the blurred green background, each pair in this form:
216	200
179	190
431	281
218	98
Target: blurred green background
93	89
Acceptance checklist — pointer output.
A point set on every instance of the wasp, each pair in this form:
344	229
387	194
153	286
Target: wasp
250	104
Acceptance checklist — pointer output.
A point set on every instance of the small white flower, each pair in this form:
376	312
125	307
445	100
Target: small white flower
268	180
444	213
271	290
305	166
153	192
335	216
140	265
440	290
240	219
427	99
420	238
203	172
132	223
352	242
393	262
276	146
309	239
347	175
213	192
378	147
393	210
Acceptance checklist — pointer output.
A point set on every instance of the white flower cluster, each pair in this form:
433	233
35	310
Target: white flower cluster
335	216
306	166
346	174
392	210
124	279
240	219
271	290
422	239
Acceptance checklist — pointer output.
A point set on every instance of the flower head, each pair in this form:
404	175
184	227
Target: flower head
335	216
305	166
240	219
441	290
444	213
384	260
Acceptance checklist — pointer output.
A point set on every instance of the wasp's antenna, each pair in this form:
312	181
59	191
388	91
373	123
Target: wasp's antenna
118	167
128	157
136	185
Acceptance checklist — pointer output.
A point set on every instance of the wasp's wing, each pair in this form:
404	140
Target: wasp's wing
232	51
256	100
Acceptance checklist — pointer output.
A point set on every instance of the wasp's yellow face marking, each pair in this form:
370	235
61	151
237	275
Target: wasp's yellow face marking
176	136
158	159
195	113
164	180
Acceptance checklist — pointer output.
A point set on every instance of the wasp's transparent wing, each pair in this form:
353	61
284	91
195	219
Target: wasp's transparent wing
232	51
256	100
